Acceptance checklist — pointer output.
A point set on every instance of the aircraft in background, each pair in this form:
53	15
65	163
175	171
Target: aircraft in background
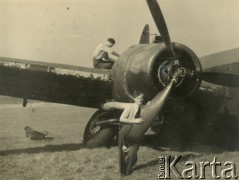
187	103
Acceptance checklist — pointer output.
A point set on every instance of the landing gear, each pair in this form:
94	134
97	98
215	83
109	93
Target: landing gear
101	129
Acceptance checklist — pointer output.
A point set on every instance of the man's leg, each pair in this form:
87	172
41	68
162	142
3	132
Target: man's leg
106	65
128	156
131	158
122	157
96	63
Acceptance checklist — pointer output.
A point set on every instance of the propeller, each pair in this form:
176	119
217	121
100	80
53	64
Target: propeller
219	78
151	111
161	24
145	39
148	114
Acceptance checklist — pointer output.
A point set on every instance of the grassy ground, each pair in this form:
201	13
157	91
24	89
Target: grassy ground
65	157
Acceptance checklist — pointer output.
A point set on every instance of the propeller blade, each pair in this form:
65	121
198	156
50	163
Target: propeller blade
145	39
161	24
219	78
150	112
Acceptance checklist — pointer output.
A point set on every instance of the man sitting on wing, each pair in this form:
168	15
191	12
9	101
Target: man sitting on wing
101	57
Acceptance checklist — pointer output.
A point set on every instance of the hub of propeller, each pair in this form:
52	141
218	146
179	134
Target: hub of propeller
169	70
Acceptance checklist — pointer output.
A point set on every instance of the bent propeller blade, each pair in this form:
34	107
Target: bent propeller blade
220	78
150	112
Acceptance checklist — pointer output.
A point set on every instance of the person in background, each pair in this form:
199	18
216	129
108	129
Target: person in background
101	57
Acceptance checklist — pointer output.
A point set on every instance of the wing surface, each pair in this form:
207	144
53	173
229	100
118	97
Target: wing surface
56	83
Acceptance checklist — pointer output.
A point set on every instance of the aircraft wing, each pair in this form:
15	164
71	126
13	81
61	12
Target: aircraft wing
56	83
220	58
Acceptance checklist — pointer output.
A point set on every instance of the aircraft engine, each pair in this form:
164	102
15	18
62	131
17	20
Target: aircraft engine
148	68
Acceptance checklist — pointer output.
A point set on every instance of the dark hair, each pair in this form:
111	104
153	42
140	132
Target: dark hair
111	40
137	93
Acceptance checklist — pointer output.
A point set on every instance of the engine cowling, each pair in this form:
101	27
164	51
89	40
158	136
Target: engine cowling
140	67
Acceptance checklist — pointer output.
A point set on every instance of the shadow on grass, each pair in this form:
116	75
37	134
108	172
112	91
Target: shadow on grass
153	141
148	164
47	148
161	144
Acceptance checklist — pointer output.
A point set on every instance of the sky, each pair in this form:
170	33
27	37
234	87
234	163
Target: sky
67	31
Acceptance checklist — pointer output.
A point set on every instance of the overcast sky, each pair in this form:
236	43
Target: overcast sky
67	31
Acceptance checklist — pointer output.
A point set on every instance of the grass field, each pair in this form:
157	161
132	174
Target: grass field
65	157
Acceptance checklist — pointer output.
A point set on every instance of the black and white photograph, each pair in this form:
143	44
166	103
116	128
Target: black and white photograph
119	89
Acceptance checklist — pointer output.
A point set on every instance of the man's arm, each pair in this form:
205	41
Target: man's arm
110	51
115	54
124	118
132	121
